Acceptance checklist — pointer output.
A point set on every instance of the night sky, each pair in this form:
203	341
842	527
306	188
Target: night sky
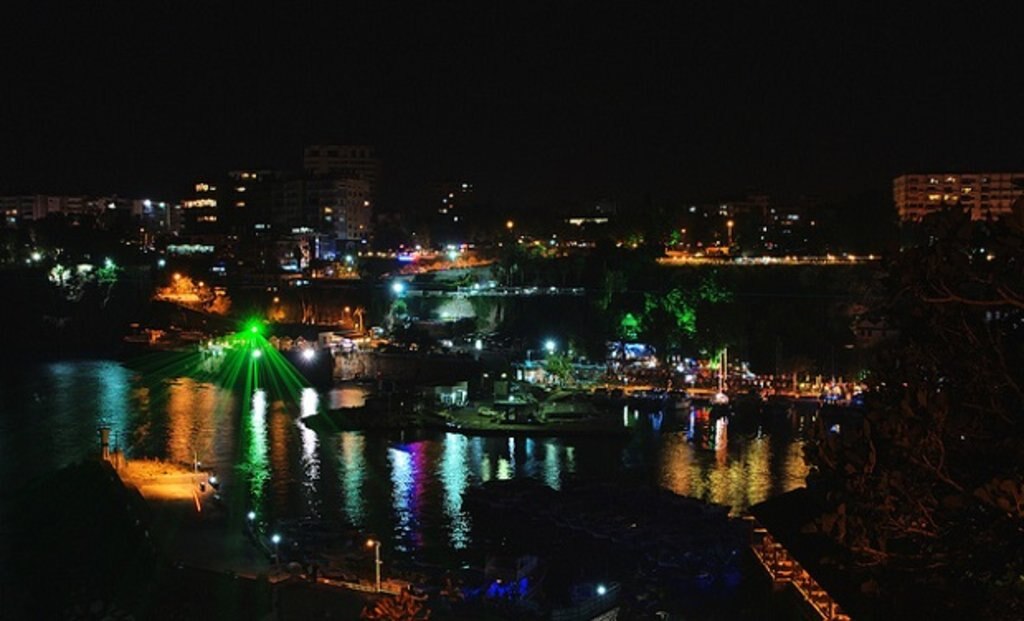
538	103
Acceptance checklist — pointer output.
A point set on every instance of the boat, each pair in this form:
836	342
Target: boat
680	399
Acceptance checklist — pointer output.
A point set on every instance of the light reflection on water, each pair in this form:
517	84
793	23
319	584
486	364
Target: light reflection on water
410	491
455	477
254	462
352	475
310	445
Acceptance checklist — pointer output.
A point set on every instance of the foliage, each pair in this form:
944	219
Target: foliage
613	283
670	318
930	486
399	309
219	305
629	327
107	273
678	307
404	607
559	365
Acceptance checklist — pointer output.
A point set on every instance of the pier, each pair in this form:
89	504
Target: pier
784	570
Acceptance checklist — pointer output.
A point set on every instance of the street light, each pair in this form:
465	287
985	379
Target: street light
398	287
276	539
308	354
602	589
252	516
729	226
550	345
375	544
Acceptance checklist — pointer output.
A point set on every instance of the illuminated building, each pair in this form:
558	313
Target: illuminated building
246	202
984	195
17	209
340	192
454	205
199	210
153	217
344	207
109	212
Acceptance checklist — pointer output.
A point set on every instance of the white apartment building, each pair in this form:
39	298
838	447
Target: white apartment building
985	195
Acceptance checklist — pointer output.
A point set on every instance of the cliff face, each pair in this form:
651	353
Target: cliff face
41	318
79	544
74	538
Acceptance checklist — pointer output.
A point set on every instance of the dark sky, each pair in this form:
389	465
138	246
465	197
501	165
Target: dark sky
539	103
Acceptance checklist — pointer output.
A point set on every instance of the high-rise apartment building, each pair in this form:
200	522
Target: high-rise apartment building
984	195
341	190
199	210
344	207
246	202
343	161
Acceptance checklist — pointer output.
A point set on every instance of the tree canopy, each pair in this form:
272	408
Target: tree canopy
926	492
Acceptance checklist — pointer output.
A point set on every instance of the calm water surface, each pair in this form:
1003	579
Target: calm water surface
408	489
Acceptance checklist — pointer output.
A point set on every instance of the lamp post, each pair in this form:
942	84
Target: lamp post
276	539
729	225
375	544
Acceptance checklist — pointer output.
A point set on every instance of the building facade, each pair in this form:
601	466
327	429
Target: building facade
344	207
19	209
341	191
341	161
984	195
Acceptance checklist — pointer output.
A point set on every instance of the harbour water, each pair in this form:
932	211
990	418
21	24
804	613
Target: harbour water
407	489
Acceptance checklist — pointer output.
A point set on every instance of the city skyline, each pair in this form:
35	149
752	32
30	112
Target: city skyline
536	105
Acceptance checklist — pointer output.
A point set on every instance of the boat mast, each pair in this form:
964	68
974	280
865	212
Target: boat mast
723	365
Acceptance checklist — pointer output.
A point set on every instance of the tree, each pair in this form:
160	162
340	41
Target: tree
403	607
629	327
670	319
559	365
926	494
358	315
219	305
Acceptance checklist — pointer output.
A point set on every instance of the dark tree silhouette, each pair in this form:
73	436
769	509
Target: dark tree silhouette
926	494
